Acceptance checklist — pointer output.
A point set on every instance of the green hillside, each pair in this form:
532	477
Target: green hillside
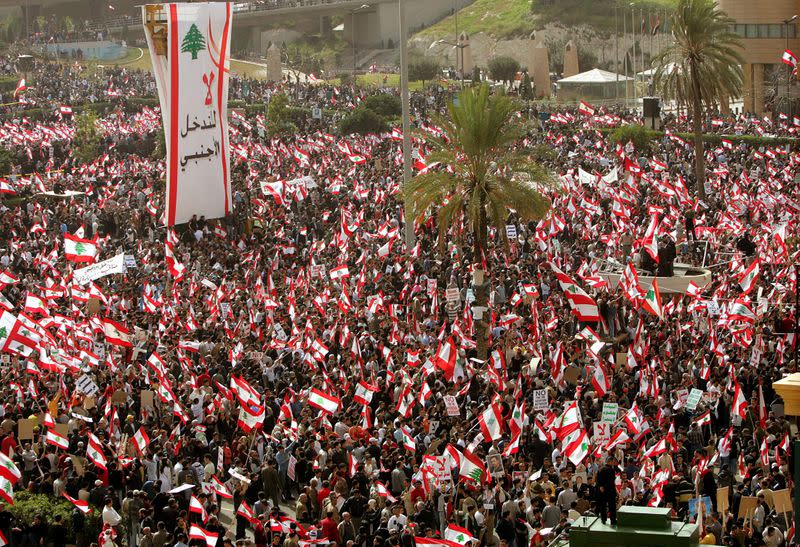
512	18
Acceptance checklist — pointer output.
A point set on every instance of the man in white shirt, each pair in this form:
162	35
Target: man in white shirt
397	522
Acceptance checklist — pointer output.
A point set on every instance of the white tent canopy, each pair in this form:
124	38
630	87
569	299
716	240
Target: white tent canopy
595	76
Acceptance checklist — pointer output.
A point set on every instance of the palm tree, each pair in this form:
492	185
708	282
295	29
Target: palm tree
703	66
477	143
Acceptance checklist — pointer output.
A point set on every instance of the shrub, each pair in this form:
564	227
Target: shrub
362	121
27	506
639	135
384	104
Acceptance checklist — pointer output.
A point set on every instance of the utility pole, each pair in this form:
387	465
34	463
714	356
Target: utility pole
616	50
406	112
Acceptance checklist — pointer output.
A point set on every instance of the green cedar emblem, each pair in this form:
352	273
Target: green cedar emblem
3	332
193	42
79	248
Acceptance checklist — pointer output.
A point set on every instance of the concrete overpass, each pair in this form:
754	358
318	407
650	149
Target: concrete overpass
372	24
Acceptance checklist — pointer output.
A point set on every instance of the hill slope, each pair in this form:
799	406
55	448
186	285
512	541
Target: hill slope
515	18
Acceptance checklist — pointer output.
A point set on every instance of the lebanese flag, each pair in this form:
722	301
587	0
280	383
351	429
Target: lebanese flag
600	380
7	188
750	276
657	449
445	358
34	304
116	333
739	402
577	446
340	272
7	278
652	300
364	392
457	534
195	506
80	504
491	422
788	58
620	437
3	540
741	311
65	110
583	305
21	86
9	470
300	156
650	240
323	401
94	452
408	440
141	440
56	440
246	512
586	108
77	249
195	532
634	420
434	542
472	468
6	491
251	416
703	419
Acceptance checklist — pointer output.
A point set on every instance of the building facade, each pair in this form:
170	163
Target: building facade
765	35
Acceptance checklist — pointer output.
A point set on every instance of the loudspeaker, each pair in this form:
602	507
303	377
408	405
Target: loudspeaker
651	107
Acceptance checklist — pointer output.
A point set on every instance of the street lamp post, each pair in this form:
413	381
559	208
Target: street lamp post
788	69
406	112
353	33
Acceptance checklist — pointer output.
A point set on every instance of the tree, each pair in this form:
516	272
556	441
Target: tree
702	66
423	68
86	142
476	75
525	88
193	42
503	68
488	177
279	116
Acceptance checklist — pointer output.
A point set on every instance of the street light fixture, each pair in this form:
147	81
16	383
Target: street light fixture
788	69
459	53
353	33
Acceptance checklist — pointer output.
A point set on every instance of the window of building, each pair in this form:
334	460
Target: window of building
774	30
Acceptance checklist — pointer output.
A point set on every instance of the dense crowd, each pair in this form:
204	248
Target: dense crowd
293	374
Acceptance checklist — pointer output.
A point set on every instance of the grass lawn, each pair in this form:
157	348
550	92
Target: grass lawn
138	58
511	18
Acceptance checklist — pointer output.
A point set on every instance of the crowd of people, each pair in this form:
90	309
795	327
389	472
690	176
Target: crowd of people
294	375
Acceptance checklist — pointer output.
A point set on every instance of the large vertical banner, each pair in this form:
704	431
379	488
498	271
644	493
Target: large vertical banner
191	67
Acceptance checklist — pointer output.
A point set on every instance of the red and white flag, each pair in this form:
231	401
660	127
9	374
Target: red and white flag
788	58
195	532
586	108
57	440
141	440
80	504
323	401
78	249
116	333
749	278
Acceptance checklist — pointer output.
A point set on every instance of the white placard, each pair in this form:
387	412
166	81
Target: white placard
540	401
110	266
451	405
86	385
693	399
610	411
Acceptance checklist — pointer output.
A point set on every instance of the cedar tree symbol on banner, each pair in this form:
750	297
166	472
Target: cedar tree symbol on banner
193	42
